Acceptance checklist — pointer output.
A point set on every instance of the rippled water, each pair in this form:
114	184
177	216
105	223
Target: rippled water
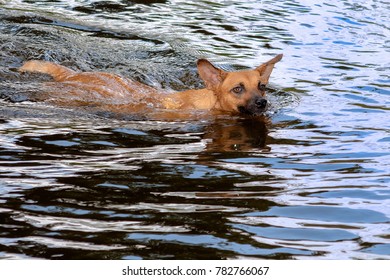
309	181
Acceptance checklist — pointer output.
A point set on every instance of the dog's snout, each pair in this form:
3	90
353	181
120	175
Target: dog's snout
261	103
255	107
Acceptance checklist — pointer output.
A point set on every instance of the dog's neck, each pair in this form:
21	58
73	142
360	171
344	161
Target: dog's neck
203	99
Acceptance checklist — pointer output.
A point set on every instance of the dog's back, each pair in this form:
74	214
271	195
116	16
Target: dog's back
105	84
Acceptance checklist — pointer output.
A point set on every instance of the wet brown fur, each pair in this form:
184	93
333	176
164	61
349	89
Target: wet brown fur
234	92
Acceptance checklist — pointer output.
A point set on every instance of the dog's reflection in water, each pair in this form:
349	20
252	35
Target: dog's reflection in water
238	134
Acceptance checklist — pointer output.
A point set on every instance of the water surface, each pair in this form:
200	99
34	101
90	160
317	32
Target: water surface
309	181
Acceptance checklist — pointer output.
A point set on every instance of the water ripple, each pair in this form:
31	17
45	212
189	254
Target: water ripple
308	181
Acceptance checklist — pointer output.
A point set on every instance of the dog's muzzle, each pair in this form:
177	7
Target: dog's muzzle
255	107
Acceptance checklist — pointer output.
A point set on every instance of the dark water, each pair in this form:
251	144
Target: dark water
311	182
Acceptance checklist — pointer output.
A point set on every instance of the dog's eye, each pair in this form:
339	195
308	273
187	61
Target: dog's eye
238	89
262	86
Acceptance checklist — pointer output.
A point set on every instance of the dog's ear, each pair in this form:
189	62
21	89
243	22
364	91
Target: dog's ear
266	68
211	75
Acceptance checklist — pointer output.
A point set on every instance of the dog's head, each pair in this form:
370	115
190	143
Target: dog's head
242	91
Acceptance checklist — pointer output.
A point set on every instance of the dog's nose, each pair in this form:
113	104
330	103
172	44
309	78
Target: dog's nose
261	103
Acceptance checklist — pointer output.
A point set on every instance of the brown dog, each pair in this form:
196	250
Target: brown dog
233	92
